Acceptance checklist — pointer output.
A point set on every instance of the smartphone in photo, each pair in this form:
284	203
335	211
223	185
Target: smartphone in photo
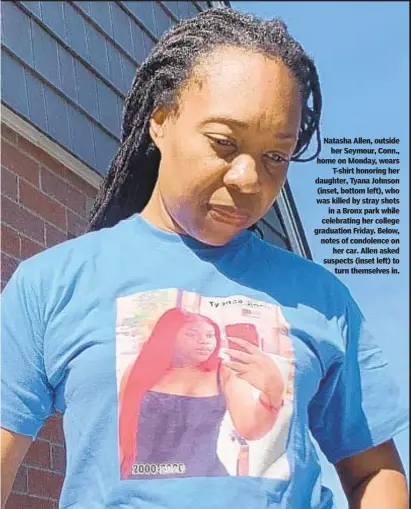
246	331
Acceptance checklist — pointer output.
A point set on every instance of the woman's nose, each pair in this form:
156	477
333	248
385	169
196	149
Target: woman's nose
243	175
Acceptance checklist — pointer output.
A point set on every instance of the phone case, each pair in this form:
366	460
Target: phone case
246	331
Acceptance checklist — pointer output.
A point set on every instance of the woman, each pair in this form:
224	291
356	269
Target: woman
174	397
215	114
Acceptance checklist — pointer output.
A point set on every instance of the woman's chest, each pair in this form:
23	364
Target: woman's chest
193	382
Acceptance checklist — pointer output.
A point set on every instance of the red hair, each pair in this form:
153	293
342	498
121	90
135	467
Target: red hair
149	368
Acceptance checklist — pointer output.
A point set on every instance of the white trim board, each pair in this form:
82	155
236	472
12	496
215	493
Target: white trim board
33	135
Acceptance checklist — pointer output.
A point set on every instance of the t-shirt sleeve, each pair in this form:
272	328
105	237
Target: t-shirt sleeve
26	396
358	404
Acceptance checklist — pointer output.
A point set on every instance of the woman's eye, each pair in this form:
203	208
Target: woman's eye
222	142
277	159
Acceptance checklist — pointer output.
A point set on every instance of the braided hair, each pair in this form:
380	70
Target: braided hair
133	171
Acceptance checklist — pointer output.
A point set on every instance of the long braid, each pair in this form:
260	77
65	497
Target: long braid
133	172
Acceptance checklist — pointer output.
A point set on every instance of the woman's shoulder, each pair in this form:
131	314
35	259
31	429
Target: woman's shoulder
294	265
71	250
292	277
65	261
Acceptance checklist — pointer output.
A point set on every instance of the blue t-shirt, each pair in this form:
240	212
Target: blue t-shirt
188	375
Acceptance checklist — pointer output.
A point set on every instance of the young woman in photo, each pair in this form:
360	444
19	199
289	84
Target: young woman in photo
175	395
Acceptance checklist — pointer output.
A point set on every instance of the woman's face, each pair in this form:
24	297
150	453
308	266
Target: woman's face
194	344
225	153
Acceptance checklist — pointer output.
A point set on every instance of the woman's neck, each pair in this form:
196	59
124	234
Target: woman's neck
156	214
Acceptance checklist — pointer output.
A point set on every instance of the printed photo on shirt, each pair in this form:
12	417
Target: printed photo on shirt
205	386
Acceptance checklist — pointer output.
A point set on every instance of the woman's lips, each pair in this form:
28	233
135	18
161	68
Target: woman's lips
204	351
229	215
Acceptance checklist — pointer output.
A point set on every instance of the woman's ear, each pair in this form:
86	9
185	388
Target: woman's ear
157	125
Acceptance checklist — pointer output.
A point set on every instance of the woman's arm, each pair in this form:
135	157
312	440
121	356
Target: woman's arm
251	418
13	449
374	479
